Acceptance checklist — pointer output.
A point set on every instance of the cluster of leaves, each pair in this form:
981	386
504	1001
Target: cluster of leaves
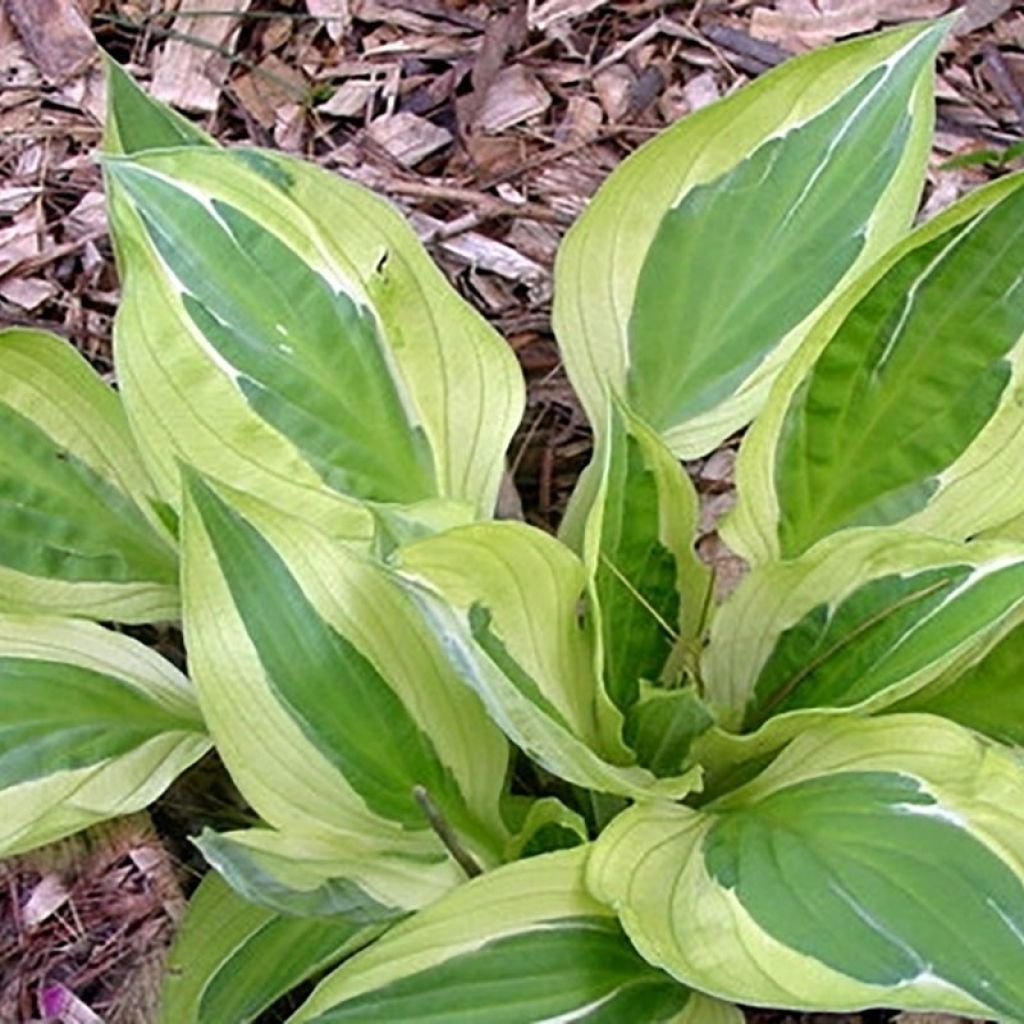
500	776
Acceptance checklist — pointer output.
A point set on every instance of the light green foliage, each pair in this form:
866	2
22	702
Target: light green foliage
79	528
92	725
677	289
498	777
903	408
232	959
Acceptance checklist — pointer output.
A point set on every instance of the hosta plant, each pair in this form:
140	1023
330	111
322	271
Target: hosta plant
503	777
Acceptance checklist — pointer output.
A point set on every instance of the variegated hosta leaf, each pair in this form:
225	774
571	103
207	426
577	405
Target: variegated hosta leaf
136	121
284	331
524	944
232	959
903	408
649	588
327	697
79	534
359	877
541	826
663	725
988	696
505	600
706	257
92	725
861	621
877	862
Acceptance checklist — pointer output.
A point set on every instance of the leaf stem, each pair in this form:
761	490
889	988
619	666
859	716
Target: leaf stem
445	832
639	598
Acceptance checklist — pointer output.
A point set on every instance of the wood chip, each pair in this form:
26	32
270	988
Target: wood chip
336	15
516	95
979	14
582	121
614	87
290	127
351	99
56	35
277	33
48	896
14	198
59	1002
271	85
400	15
701	90
556	12
27	292
800	24
20	241
728	568
503	35
190	70
480	251
408	137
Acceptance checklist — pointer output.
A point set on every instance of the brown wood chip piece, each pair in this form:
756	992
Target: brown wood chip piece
189	72
800	24
701	90
980	13
515	95
408	137
271	85
56	36
336	15
480	251
614	87
351	99
27	292
556	11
